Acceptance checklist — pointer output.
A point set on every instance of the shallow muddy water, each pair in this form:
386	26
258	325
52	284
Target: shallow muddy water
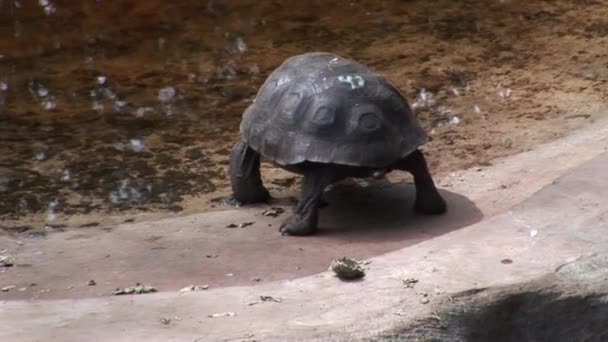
116	106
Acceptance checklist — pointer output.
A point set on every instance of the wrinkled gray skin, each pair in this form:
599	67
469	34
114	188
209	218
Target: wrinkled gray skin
328	118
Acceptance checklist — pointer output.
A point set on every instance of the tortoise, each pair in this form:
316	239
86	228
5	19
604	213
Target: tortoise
328	118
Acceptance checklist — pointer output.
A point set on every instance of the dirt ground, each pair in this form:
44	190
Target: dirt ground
121	110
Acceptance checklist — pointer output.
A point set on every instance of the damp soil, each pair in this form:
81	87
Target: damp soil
118	110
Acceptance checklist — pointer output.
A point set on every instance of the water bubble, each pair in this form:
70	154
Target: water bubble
42	91
161	43
5	182
590	76
240	45
108	93
166	94
51	208
118	146
254	69
424	99
120	104
47	6
164	197
65	176
18	27
141	111
101	80
40	156
17	3
168	110
423	95
503	92
226	72
3	86
49	103
98	107
455	120
125	194
137	145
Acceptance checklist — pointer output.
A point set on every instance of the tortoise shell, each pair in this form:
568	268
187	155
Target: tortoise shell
320	107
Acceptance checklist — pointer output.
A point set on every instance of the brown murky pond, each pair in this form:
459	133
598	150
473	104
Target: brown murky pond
110	107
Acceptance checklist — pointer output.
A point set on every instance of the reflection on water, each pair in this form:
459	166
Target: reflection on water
124	104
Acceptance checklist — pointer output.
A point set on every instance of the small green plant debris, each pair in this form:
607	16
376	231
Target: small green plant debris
347	269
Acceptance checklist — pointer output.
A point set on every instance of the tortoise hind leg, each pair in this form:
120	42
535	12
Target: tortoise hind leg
245	178
428	199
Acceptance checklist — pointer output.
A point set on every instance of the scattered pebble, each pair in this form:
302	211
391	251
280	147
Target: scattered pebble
241	225
223	314
270	299
506	261
229	274
347	269
211	256
191	288
257	279
273	212
91	283
165	321
409	282
6	261
424	297
265	299
8	288
137	289
533	233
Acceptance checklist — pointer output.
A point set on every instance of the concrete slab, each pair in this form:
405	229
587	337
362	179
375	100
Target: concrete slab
199	249
557	226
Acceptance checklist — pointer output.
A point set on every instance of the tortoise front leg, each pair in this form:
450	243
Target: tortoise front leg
305	219
247	186
428	199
